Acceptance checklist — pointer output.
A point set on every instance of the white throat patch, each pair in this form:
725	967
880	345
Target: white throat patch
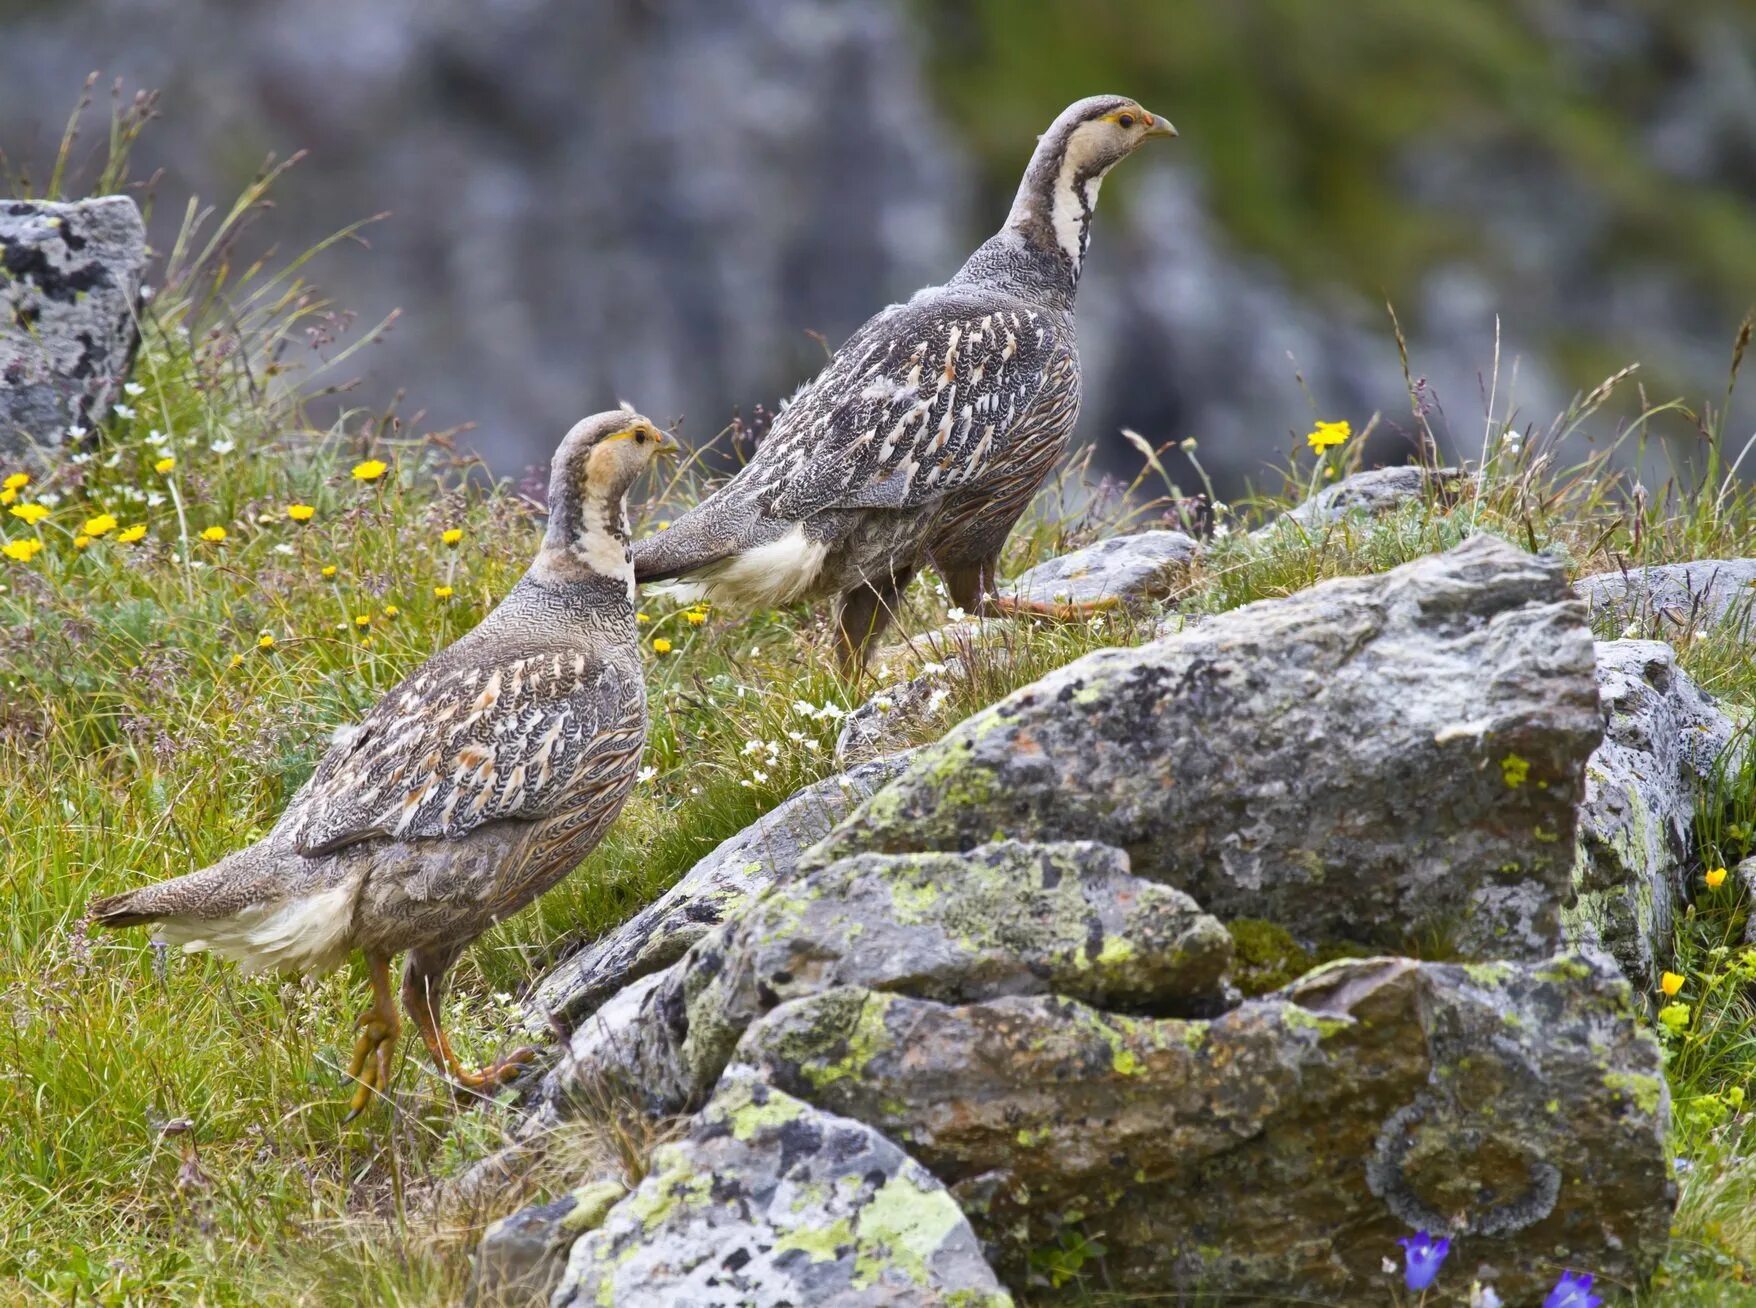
1071	212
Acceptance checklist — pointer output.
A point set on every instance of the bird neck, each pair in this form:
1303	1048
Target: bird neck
1041	248
588	536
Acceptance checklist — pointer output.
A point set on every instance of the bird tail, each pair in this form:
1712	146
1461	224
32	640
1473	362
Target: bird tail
241	909
709	533
210	893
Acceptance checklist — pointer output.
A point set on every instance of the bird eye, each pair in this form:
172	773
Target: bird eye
640	437
1126	120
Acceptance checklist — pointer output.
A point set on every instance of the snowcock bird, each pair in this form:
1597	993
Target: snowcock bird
928	433
470	789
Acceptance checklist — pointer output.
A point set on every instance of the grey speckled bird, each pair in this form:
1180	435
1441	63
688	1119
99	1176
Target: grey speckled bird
928	433
470	789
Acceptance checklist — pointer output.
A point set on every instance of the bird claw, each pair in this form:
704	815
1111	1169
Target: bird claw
370	1064
1011	606
495	1075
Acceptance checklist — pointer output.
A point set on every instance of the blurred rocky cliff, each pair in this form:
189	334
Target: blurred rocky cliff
662	201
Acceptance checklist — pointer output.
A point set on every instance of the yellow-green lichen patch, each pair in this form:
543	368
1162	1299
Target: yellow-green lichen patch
591	1204
900	1229
864	1038
1644	1091
821	1244
1514	771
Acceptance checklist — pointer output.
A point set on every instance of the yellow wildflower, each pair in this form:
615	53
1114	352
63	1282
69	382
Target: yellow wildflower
21	550
362	619
17	481
390	610
370	470
31	513
8	496
164	465
1670	983
661	646
451	535
443	592
265	641
214	534
1716	877
642	617
99	525
695	616
237	660
1326	434
329	569
128	535
301	512
80	542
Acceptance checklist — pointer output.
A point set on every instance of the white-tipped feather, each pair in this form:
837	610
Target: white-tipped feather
310	934
763	577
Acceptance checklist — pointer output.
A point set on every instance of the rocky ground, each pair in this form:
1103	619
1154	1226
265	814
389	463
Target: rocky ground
1372	866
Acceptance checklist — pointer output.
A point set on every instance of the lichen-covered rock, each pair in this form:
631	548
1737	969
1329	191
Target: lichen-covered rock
1280	1149
769	1201
1670	598
733	874
1375	759
1119	570
1372	493
1003	919
1663	740
69	286
520	1258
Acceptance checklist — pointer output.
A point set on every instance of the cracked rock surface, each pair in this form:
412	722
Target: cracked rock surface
69	285
1372	760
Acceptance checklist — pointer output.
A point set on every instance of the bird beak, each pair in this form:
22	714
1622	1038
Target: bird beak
669	447
1159	125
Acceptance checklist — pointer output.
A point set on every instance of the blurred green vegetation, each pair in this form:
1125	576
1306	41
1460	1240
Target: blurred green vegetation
1303	116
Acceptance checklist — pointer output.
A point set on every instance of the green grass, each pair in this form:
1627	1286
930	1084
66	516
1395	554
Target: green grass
146	729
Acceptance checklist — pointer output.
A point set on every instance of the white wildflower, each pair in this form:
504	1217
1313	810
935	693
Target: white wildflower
223	447
133	390
645	775
937	699
154	499
758	774
883	703
955	614
81	457
122	411
155	437
284	548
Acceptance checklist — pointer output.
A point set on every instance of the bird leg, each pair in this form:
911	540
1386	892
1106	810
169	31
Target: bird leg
423	988
380	1025
862	615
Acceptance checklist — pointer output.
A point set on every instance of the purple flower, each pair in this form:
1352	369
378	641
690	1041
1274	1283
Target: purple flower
1573	1291
1422	1256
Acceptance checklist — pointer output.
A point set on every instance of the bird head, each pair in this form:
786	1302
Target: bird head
1053	209
594	467
1093	135
603	455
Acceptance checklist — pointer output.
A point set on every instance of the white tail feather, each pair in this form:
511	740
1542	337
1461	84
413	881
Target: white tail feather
763	577
310	934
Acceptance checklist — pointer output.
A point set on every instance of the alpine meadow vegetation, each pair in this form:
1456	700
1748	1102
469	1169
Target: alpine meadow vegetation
197	593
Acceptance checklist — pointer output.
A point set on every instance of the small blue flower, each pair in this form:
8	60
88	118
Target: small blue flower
1573	1291
1422	1257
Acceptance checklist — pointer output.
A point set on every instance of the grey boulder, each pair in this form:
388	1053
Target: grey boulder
1375	760
1004	919
733	874
1119	570
1663	741
1380	491
1673	598
771	1202
1280	1150
70	278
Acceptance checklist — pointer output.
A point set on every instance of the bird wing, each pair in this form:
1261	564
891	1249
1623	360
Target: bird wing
922	400
452	749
